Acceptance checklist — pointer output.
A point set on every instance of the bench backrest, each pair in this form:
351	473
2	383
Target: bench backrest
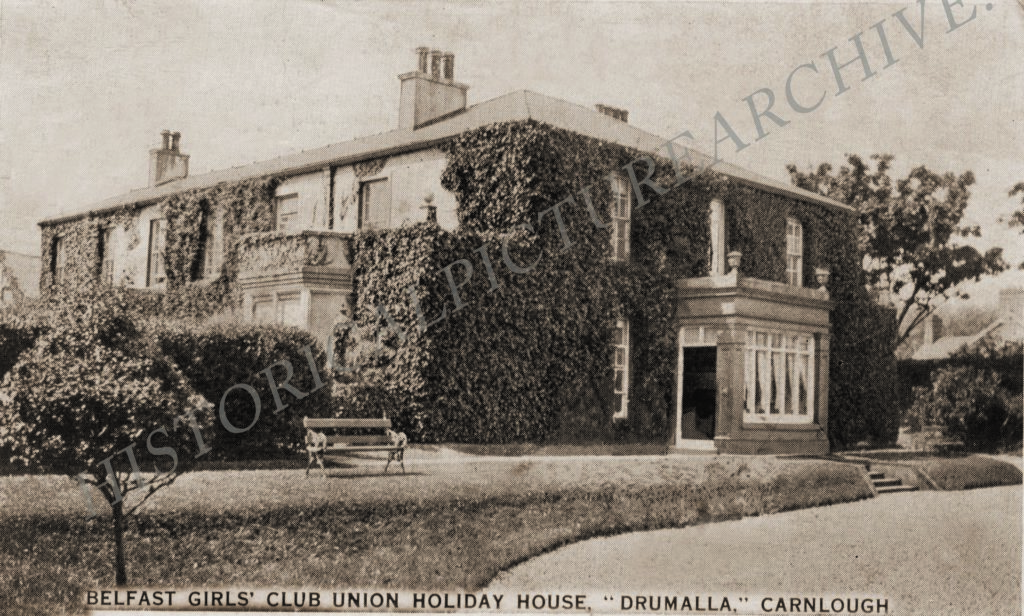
322	424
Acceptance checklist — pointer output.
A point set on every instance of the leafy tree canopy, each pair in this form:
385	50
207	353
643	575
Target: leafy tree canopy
908	232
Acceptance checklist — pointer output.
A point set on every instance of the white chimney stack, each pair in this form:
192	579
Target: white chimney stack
167	163
430	93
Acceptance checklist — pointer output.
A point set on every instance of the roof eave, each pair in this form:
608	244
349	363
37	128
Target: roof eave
287	172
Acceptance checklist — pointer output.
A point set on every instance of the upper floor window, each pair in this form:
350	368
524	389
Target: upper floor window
157	238
286	212
794	252
107	256
375	204
621	196
209	263
621	365
59	260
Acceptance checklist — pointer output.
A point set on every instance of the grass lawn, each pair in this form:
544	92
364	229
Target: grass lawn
952	472
965	473
442	526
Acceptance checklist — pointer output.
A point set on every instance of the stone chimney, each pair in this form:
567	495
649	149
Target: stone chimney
430	92
614	112
932	329
167	162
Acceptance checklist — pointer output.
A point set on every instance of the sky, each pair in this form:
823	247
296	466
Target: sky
86	86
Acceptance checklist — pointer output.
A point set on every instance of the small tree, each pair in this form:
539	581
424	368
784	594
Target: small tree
94	401
907	232
970	405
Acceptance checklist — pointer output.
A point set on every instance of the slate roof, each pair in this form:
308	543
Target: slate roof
515	106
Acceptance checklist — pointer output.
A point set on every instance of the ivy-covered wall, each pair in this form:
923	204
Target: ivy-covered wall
862	370
238	208
528	355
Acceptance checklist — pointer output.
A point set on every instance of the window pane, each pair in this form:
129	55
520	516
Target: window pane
376	204
156	252
794	252
287	208
802	364
764	378
778	377
748	377
621	368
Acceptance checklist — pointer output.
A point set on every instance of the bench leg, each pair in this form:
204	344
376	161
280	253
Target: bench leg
398	454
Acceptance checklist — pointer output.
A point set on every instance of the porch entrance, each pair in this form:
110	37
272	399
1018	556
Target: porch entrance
700	387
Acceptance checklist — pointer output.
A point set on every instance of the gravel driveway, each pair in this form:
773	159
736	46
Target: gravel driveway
926	552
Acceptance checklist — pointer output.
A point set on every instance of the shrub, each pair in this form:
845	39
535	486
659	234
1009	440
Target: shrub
216	357
19	331
970	405
89	389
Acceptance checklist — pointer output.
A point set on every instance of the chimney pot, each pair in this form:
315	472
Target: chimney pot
429	94
435	64
422	53
614	112
167	163
449	65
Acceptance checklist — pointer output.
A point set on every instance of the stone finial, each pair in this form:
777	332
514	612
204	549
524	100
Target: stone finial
428	205
822	274
733	259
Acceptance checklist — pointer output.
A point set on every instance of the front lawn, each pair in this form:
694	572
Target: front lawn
950	472
969	472
450	526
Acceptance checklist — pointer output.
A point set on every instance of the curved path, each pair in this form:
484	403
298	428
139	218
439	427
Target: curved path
926	552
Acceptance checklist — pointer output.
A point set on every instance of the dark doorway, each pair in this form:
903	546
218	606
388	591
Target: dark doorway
700	387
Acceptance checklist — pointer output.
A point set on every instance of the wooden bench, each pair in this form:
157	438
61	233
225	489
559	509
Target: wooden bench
328	435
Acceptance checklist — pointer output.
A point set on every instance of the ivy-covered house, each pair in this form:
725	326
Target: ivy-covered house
512	270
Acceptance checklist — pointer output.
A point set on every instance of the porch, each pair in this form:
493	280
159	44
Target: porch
752	366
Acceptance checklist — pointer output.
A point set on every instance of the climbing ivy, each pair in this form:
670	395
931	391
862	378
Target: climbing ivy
532	360
245	207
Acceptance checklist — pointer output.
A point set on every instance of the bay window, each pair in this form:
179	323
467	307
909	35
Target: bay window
779	377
